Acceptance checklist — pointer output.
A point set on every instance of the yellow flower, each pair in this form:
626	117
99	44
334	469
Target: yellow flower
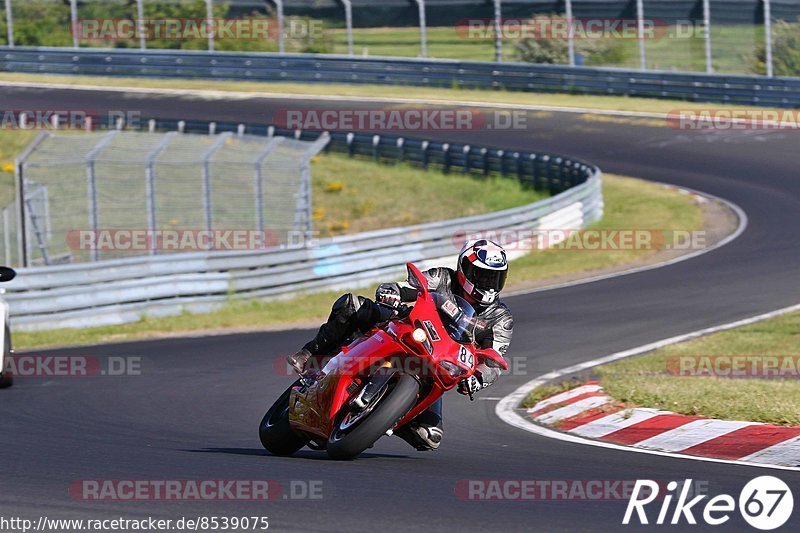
7	167
318	213
334	186
344	225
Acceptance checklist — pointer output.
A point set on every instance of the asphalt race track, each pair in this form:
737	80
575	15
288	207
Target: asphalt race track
194	411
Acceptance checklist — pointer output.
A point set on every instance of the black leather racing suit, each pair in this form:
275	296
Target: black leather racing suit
351	313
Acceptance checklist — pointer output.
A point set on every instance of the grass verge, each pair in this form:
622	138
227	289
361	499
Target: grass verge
653	380
428	95
629	203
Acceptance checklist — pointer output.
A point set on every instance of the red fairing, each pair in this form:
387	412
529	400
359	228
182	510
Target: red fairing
394	348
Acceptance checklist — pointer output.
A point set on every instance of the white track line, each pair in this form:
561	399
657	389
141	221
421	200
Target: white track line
508	408
573	409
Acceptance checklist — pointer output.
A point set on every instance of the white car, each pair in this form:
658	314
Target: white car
6	380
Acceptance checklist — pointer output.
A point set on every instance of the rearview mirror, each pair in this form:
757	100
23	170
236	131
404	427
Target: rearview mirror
7	274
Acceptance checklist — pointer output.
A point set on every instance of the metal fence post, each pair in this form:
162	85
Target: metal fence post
303	209
140	25
271	144
423	36
19	177
91	185
73	17
768	36
150	187
6	238
348	21
281	37
570	33
9	24
707	30
640	33
207	205
498	31
210	24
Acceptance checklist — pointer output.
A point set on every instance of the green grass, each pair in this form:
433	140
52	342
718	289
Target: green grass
425	95
732	47
647	212
645	380
354	195
629	204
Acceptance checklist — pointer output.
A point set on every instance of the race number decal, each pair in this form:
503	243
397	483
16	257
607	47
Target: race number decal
466	358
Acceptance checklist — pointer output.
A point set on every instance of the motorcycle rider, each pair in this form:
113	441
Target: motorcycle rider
479	278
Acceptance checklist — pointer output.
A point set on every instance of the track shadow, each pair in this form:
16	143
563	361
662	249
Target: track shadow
302	454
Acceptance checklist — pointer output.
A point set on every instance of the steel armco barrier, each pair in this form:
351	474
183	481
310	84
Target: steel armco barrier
308	68
120	291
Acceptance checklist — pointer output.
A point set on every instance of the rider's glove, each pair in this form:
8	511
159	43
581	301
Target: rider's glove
388	295
470	385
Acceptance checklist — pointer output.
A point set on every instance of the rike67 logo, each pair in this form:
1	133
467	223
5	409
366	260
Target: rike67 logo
765	503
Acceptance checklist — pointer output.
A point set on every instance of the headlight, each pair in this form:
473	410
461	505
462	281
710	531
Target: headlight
452	369
419	335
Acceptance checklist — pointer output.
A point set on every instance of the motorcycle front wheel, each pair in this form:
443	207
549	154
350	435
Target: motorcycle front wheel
355	431
277	436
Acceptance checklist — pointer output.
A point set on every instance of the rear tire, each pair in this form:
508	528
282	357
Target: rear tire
277	435
345	444
6	380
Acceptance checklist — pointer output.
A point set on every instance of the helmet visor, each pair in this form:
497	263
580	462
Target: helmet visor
484	279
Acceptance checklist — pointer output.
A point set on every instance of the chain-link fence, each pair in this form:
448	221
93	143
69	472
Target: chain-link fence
96	196
723	36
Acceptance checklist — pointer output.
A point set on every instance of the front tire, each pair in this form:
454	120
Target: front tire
348	442
277	435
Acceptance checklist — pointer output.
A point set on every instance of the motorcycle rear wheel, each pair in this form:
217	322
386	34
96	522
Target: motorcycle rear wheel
277	436
349	439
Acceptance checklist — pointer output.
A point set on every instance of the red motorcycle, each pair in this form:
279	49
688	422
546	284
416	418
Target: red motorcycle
381	381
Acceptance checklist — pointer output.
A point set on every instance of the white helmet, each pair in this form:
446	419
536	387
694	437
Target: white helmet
482	270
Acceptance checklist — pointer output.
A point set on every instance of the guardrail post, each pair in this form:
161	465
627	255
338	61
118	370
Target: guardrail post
424	154
502	162
376	147
140	25
423	36
401	149
210	24
534	171
351	147
467	149
348	21
73	18
570	33
446	158
640	33
518	164
498	31
768	36
485	161
548	173
9	24
707	34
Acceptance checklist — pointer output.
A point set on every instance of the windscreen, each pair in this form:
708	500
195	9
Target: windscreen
458	317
